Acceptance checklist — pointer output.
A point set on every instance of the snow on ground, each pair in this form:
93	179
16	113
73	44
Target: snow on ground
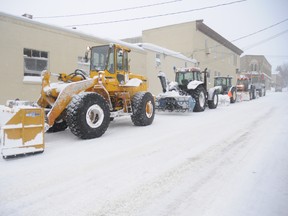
223	162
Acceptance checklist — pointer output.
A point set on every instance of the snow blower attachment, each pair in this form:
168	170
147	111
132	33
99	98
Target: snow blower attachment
173	99
21	129
189	92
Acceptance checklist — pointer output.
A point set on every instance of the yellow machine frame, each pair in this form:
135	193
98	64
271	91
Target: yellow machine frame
109	76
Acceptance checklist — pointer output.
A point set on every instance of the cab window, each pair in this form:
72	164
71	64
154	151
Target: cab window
125	62
110	64
119	59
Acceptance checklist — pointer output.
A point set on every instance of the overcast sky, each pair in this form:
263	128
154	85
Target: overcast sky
235	19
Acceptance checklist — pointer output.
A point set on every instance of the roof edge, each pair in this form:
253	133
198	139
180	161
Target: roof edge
217	37
25	20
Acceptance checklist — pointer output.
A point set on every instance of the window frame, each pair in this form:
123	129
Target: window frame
32	60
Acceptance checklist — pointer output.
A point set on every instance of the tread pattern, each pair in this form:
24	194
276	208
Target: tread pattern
139	102
195	94
76	115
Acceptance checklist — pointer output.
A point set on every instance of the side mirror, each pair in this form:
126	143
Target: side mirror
86	58
120	53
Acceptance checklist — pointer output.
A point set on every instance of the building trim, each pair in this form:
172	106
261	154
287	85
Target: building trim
217	37
162	50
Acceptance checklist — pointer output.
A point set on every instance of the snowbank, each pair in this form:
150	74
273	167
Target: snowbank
228	161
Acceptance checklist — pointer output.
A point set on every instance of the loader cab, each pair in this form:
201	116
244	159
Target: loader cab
113	60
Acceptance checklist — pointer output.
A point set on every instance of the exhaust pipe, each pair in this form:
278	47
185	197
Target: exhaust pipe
163	81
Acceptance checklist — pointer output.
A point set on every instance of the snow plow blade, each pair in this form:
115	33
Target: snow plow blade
243	96
21	130
174	102
224	100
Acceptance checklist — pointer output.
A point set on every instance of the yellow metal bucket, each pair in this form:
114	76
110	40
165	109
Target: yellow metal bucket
21	130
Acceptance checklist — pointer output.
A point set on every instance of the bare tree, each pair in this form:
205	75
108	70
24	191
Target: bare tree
283	72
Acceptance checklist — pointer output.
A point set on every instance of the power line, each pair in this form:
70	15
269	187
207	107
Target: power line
159	15
261	30
107	11
226	55
245	36
266	40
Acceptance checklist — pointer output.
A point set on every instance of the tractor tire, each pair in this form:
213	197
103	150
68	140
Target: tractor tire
234	96
143	108
254	94
212	104
250	95
58	126
199	94
88	115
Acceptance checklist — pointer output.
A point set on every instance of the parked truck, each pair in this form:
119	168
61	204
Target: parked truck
258	80
245	89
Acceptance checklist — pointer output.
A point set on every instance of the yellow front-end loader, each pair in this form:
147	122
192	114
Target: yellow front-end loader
86	103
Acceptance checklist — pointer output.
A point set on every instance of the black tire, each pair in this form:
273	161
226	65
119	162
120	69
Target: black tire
88	115
212	104
143	107
234	96
58	126
254	93
199	94
250	95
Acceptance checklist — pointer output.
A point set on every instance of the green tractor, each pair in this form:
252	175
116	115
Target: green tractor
224	87
189	92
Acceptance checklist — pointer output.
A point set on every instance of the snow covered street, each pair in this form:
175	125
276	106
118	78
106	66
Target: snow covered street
232	161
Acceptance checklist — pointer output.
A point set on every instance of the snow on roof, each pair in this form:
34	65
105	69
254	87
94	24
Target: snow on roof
187	69
105	40
165	51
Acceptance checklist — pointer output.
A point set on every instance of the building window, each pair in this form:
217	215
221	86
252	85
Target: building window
215	50
235	60
207	48
35	62
253	67
216	73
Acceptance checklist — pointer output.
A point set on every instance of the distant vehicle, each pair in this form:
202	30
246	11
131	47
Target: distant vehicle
257	79
278	88
245	90
224	87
